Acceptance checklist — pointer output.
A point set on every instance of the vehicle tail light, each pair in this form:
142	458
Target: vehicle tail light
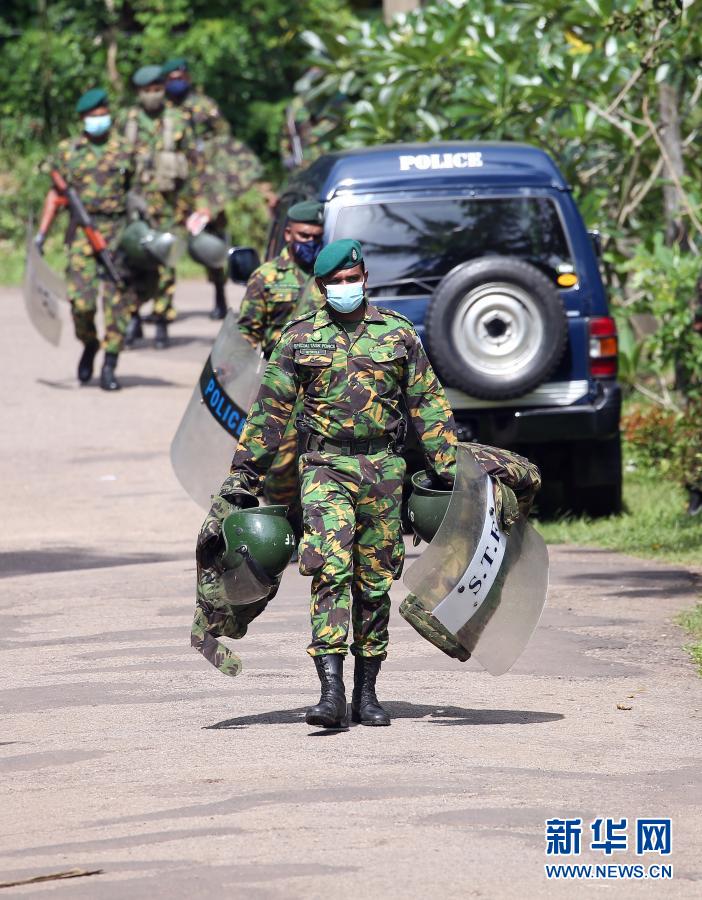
603	347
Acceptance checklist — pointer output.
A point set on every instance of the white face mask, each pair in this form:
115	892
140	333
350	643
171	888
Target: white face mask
344	298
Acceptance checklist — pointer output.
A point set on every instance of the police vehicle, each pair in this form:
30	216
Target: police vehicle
482	247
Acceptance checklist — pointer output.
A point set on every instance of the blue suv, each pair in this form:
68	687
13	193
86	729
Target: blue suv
482	247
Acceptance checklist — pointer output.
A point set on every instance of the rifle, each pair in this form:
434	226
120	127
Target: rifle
80	215
294	134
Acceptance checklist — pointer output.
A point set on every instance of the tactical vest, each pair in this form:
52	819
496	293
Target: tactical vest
162	169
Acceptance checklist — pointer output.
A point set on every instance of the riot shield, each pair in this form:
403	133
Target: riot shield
203	446
484	587
43	290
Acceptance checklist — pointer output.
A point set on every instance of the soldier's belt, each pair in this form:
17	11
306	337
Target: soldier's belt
316	442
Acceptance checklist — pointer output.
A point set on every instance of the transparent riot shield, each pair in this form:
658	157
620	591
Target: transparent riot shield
203	446
485	587
43	291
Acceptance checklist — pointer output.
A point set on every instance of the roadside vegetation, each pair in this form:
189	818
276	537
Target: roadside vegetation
654	524
692	622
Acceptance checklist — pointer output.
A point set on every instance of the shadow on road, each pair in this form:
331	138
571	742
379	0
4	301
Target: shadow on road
436	714
641	583
63	559
125	380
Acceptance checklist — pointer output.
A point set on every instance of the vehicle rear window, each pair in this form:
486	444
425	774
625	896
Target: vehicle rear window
421	240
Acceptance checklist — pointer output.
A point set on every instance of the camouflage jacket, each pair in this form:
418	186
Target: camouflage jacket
228	166
277	292
203	114
100	173
167	161
353	387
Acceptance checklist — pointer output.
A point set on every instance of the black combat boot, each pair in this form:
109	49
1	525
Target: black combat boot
694	502
134	331
87	361
330	712
364	704
162	340
219	310
108	380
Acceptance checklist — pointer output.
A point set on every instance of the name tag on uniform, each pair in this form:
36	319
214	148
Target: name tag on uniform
314	346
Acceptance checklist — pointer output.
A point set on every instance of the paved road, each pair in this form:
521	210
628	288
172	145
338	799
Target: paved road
122	750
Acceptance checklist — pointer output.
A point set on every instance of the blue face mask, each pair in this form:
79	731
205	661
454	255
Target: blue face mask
177	88
96	126
344	298
305	252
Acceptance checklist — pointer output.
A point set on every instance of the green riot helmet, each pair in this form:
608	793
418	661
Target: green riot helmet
208	249
146	248
427	505
259	543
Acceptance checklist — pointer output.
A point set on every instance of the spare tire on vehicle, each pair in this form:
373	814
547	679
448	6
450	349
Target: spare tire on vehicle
496	328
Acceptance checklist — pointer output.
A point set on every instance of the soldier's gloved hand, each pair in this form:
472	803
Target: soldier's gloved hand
39	240
234	494
506	505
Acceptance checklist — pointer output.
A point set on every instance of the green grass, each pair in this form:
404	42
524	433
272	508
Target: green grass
692	621
12	262
654	525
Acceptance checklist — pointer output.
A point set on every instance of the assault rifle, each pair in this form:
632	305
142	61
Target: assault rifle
68	196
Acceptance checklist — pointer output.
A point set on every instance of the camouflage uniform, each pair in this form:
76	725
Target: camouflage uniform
353	386
278	292
168	197
100	174
229	168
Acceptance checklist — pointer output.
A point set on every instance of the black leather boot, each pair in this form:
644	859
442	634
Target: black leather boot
220	308
108	380
87	361
694	503
330	712
364	704
134	330
162	340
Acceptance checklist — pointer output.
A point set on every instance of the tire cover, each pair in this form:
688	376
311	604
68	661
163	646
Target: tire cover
485	587
511	296
203	446
43	291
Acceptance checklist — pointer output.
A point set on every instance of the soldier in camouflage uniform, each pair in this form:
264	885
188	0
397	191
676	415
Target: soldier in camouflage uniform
167	163
229	168
355	365
99	165
279	291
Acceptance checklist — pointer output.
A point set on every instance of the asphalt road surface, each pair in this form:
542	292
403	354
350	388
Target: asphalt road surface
123	751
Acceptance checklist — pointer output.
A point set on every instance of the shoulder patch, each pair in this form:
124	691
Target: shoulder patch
292	322
397	315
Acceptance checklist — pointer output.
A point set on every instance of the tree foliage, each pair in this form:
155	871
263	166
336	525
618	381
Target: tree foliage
246	54
580	79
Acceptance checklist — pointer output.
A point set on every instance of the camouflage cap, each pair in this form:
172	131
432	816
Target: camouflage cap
91	100
177	64
147	75
308	212
344	254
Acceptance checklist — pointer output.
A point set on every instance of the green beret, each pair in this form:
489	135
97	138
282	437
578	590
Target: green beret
147	75
343	254
178	63
309	212
91	100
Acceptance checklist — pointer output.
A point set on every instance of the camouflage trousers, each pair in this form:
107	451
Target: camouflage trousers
352	547
84	280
